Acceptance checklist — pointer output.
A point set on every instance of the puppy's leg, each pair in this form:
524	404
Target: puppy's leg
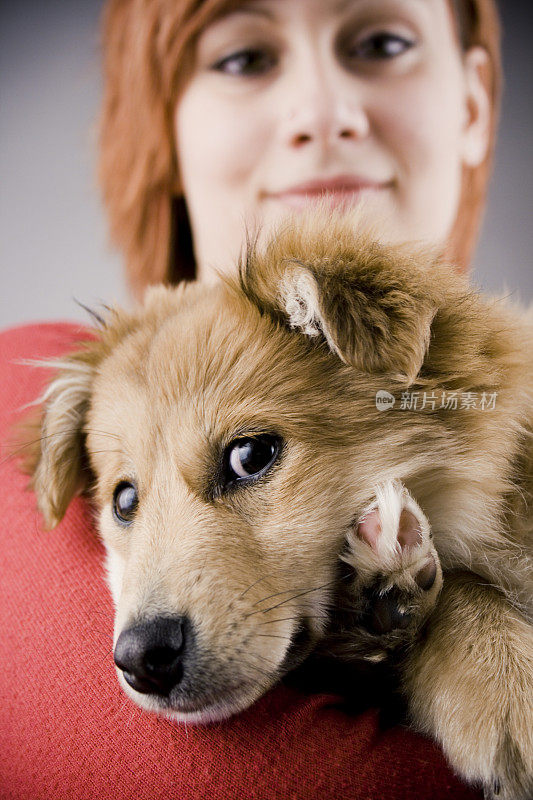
469	684
396	574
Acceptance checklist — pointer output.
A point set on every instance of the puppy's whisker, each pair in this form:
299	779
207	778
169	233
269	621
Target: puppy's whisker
259	669
285	591
102	433
335	607
271	677
19	447
262	659
94	314
275	636
288	599
75	430
252	661
255	584
270	596
284	619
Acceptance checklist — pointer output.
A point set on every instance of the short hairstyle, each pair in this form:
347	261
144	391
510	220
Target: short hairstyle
148	57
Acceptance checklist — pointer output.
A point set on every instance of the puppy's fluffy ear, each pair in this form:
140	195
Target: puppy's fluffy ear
369	319
54	452
373	304
55	456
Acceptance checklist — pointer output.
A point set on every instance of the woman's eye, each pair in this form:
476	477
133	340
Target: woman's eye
245	63
381	46
125	502
251	458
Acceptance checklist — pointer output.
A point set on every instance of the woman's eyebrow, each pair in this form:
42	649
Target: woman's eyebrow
250	8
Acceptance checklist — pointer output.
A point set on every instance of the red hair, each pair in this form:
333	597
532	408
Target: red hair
477	24
148	49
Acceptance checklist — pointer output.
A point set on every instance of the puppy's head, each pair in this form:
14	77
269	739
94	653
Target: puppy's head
232	434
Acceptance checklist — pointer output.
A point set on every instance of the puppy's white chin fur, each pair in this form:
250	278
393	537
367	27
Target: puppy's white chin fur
215	712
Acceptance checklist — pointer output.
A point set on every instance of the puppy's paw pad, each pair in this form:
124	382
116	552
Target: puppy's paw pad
368	529
409	532
397	574
426	577
385	613
392	538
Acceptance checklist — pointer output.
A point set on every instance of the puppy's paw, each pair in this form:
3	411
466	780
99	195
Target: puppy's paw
397	573
469	685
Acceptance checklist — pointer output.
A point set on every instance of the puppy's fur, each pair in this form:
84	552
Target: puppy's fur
296	347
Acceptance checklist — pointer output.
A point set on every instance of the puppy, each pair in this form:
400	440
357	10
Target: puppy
336	402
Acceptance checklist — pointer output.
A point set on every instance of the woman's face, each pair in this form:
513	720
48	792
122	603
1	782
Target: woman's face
371	101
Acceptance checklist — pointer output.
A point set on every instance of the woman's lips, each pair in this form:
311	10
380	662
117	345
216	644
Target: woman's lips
341	190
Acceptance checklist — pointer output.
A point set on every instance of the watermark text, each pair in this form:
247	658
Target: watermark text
433	401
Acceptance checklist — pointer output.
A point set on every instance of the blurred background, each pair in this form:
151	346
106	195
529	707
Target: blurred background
53	238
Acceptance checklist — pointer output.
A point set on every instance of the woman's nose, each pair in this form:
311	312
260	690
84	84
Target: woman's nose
324	109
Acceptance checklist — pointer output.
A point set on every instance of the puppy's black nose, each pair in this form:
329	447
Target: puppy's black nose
151	654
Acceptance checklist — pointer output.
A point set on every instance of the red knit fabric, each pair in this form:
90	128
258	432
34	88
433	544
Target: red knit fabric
69	733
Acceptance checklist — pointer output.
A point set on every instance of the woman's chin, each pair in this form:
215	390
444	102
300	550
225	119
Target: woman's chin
370	210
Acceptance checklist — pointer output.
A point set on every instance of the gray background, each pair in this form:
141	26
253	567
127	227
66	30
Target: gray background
53	240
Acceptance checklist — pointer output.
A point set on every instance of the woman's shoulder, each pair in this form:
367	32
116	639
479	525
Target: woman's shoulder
40	339
21	380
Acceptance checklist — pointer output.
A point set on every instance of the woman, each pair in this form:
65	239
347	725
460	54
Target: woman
210	119
211	123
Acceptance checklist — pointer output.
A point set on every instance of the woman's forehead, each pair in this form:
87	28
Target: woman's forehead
272	7
278	11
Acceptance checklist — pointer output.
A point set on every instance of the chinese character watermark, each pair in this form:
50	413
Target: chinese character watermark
433	401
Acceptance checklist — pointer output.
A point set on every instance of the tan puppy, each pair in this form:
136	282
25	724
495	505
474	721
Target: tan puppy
240	440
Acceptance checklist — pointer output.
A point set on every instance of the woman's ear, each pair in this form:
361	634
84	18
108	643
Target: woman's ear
477	125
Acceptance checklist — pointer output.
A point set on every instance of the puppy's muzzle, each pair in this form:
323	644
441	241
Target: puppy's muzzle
152	654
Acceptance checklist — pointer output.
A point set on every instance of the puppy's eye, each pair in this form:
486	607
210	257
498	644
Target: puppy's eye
125	502
251	457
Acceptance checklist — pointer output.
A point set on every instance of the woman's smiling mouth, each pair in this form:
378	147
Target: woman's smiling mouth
339	190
